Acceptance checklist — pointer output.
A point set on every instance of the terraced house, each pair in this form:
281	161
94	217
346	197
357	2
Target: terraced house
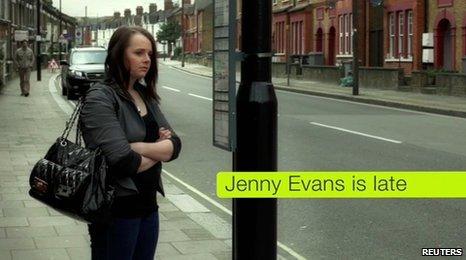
391	32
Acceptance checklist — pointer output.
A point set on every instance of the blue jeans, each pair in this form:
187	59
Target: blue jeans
125	238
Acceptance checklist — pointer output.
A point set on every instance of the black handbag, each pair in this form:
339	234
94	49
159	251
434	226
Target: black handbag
72	179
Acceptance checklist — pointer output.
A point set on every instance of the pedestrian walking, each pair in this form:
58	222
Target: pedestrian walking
24	61
122	117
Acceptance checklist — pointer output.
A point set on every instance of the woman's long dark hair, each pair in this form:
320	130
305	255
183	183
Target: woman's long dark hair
115	70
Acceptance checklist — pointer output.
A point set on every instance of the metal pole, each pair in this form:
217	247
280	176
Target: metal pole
255	220
61	32
164	53
38	35
356	47
182	33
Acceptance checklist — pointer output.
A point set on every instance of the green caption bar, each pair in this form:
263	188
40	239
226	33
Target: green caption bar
341	184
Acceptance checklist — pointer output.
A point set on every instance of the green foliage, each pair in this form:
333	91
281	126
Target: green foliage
177	52
431	73
169	32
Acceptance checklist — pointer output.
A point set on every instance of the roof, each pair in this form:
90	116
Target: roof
281	9
299	7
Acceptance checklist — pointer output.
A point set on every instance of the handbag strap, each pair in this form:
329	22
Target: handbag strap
72	120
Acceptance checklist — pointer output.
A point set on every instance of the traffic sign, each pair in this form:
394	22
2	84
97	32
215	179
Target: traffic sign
78	35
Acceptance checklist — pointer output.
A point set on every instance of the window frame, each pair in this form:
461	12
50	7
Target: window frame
351	32
410	33
341	39
347	36
401	34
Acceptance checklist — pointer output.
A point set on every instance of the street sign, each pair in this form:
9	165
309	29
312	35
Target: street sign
21	35
224	74
78	35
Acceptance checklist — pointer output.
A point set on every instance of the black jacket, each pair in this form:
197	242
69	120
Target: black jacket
109	120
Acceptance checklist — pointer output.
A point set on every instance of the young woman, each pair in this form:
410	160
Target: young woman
121	116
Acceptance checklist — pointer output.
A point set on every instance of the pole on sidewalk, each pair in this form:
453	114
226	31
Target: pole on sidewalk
255	220
355	47
61	32
38	35
182	33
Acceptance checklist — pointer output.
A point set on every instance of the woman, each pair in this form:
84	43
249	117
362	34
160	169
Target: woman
121	116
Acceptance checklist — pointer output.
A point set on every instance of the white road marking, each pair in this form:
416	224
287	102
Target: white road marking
172	89
194	95
73	105
60	102
357	133
224	209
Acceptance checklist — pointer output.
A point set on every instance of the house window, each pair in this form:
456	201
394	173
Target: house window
320	13
341	41
410	33
282	36
347	47
351	33
401	29
301	37
392	35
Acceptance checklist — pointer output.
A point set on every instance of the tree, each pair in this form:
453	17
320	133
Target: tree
169	33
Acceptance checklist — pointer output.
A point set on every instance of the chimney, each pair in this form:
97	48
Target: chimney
127	13
168	5
116	15
153	8
139	10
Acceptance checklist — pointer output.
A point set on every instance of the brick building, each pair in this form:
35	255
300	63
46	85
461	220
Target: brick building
325	31
404	24
291	23
204	11
447	21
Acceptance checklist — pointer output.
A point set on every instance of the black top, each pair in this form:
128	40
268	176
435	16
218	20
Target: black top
145	202
109	120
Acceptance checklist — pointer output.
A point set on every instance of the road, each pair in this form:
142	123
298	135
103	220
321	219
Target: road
317	133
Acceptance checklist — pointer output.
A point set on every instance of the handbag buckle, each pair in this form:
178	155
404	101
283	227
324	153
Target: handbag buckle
64	191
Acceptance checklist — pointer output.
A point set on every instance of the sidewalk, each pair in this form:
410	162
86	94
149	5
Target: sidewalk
30	230
446	105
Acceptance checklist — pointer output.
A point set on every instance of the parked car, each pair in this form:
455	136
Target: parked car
85	66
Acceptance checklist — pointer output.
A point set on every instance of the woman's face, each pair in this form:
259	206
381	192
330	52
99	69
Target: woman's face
138	56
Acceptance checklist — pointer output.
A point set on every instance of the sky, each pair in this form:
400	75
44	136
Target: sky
103	7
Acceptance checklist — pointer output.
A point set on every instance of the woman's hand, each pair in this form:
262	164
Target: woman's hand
164	134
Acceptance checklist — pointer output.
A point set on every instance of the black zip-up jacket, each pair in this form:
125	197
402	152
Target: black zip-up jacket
109	120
